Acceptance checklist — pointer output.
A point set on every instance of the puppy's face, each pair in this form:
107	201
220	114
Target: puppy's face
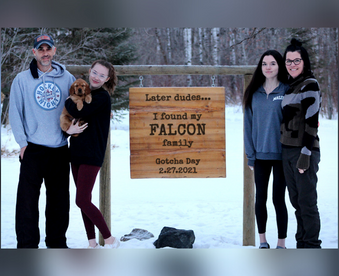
80	88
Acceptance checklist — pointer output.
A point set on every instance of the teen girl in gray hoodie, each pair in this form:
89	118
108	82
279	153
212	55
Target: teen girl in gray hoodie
262	120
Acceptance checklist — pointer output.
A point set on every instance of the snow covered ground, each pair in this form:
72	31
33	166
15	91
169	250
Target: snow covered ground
211	207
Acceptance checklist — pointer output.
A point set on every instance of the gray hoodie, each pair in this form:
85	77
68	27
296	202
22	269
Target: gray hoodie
36	103
262	125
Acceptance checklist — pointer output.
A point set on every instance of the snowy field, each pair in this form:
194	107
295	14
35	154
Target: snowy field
212	208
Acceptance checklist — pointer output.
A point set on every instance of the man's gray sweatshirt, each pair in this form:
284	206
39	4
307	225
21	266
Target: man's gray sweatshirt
36	103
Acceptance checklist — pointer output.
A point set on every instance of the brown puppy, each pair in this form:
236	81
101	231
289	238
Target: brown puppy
79	92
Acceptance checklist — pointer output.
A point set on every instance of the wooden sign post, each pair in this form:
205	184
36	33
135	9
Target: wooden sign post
177	132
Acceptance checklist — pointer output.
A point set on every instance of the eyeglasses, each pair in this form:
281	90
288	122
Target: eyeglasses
296	61
96	74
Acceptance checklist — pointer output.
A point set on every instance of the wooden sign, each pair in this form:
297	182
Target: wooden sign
177	132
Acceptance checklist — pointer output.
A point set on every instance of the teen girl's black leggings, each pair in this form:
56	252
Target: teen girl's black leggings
262	171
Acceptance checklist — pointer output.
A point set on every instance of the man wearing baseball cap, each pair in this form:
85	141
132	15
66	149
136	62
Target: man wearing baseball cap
36	100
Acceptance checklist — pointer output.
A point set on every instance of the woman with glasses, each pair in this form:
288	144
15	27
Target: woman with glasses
262	120
300	142
88	149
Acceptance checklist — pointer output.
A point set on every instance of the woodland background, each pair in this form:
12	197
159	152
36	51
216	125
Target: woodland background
174	46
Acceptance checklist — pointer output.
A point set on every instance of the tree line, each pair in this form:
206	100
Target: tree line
174	46
236	46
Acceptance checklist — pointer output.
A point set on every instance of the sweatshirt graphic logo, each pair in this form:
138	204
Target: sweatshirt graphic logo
277	98
47	95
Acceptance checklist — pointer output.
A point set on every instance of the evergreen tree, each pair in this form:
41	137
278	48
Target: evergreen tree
75	46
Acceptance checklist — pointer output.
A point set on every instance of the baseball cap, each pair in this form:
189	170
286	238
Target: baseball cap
41	39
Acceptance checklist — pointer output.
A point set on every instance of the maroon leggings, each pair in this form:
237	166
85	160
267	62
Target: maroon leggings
84	178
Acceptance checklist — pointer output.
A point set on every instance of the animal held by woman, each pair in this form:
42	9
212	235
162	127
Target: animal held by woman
79	92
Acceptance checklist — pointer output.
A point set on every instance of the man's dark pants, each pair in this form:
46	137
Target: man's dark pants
50	165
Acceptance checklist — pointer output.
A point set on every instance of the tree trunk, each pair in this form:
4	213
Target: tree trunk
188	51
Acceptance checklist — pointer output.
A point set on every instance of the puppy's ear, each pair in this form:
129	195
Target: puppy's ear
71	90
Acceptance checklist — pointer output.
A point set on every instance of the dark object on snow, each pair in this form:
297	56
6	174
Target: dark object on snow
137	233
176	238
